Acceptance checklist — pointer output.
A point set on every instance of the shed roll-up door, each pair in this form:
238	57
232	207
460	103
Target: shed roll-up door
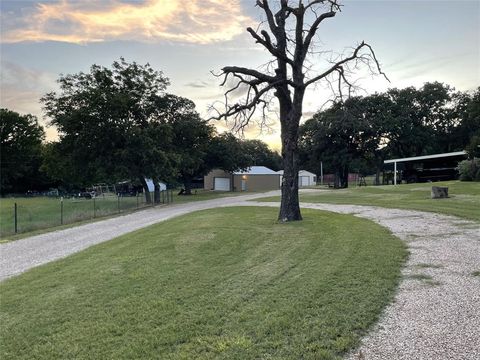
222	184
304	181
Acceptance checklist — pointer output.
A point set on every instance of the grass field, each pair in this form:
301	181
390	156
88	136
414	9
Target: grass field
464	200
225	283
43	212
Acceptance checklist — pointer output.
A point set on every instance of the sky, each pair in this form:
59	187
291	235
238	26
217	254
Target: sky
415	42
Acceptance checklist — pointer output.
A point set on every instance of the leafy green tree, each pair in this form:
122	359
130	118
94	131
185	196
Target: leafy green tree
473	148
20	151
110	122
423	121
191	138
467	112
226	152
261	155
346	132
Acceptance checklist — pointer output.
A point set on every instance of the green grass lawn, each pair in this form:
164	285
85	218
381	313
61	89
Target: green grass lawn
225	283
39	213
45	212
464	200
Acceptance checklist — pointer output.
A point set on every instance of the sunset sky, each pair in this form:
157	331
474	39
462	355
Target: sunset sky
416	41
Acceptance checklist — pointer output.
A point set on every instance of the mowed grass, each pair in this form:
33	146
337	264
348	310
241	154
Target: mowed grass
225	283
39	213
463	201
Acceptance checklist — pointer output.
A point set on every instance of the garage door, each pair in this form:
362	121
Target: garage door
221	184
303	181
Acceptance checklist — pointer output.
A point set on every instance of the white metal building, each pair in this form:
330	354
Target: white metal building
305	178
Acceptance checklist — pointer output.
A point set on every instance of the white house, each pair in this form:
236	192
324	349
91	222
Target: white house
305	178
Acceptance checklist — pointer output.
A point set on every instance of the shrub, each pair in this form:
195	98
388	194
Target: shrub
469	170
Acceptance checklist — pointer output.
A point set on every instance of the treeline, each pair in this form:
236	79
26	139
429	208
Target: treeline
115	124
360	133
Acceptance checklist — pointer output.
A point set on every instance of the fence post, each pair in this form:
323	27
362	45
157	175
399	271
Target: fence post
61	210
15	219
137	198
94	209
118	202
171	194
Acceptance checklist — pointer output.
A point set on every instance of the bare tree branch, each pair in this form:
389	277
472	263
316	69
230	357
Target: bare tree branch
344	61
289	40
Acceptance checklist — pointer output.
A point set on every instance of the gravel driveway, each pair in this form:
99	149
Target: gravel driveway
436	311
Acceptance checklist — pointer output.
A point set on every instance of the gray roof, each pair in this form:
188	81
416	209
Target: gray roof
256	170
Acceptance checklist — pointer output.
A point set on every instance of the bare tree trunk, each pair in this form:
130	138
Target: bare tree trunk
377	176
289	206
187	183
337	181
345	170
286	26
156	189
148	198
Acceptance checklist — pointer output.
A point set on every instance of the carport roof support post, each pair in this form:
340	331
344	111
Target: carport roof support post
394	173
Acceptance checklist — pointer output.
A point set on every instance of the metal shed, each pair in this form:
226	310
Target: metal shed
255	178
427	167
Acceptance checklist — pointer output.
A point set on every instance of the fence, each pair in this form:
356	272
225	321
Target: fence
19	215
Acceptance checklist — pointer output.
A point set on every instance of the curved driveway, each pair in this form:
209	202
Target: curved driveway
435	313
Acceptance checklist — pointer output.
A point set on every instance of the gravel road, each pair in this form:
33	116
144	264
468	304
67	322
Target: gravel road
436	311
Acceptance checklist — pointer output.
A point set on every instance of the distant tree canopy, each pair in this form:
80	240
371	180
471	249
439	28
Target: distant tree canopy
363	131
260	154
110	121
120	123
20	152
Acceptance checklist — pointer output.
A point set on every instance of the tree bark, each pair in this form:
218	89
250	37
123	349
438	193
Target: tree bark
148	198
337	179
289	206
156	191
345	170
187	183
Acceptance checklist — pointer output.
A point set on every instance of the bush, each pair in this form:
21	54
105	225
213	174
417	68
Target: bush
469	170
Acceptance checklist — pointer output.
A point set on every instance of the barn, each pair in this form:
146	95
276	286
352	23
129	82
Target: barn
255	178
305	178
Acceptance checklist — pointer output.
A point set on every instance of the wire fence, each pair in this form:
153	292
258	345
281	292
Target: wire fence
25	214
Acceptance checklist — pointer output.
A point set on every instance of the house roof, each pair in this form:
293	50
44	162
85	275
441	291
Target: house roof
426	157
256	170
301	172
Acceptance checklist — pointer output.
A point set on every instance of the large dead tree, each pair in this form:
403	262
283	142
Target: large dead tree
288	35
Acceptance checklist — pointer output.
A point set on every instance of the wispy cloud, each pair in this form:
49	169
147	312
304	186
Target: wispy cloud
199	84
192	21
21	90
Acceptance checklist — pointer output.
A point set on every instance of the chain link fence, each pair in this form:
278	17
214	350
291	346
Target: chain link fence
25	214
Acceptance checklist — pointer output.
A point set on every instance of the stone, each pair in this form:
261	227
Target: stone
439	192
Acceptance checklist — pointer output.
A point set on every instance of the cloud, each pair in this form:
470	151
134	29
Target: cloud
189	21
22	88
199	84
